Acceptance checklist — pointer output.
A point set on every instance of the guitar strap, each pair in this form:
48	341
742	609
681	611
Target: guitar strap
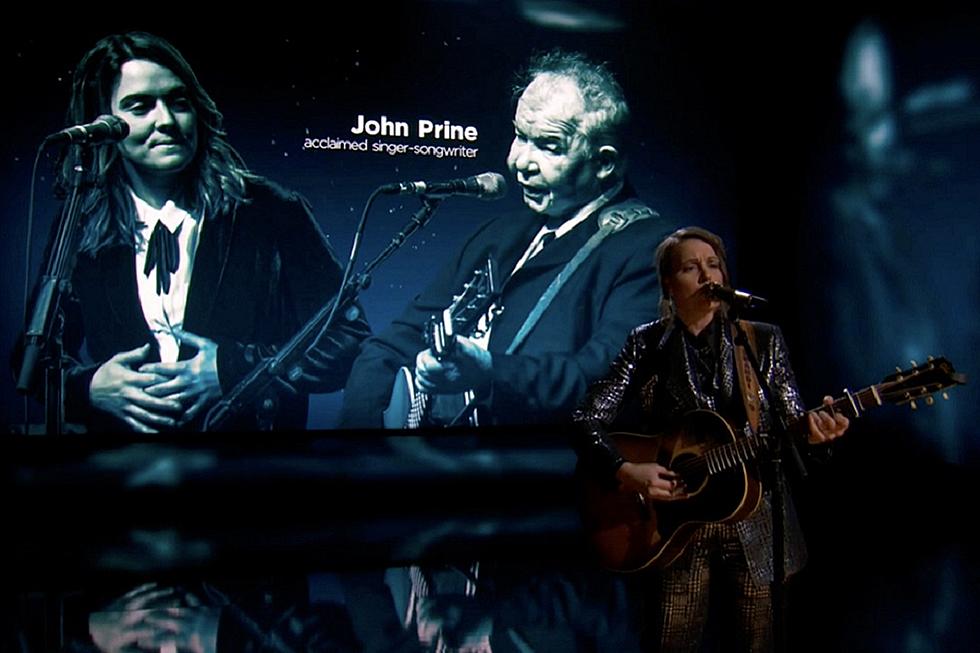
611	219
746	375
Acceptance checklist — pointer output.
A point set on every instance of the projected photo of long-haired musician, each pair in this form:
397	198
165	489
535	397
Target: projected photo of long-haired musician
190	269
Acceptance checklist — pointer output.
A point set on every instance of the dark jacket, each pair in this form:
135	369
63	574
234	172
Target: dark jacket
614	289
259	274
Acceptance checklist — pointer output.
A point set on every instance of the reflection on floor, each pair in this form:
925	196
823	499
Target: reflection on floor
928	607
314	545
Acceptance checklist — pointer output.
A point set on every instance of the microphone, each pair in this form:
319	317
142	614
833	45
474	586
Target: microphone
735	298
486	186
104	129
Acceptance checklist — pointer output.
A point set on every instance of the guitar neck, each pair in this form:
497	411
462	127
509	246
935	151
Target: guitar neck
853	404
745	449
902	387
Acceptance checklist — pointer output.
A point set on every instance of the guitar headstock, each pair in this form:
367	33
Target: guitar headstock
919	382
463	315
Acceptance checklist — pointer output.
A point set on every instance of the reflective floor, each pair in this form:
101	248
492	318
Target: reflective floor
406	544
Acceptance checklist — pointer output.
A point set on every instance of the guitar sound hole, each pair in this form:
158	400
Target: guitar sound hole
693	471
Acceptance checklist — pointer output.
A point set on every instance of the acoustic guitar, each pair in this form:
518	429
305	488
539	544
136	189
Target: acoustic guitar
410	408
631	533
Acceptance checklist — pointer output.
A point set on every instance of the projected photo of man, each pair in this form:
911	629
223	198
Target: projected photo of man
574	269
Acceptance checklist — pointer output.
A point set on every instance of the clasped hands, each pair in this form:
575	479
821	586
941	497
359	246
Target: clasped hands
155	618
468	368
149	396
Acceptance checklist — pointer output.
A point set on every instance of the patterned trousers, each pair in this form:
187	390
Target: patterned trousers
711	573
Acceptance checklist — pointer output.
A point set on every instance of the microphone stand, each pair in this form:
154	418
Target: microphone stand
286	365
772	468
44	330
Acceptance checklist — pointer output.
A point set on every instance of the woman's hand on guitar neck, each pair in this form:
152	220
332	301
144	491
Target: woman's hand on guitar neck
651	481
826	424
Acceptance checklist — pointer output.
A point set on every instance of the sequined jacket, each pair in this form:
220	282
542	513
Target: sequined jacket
643	388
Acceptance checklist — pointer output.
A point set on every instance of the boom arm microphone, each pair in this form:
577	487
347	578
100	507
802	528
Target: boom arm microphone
487	186
736	298
104	129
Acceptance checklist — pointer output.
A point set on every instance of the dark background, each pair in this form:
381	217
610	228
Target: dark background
739	127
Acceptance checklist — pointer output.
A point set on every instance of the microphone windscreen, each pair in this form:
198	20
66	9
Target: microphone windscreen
118	127
492	185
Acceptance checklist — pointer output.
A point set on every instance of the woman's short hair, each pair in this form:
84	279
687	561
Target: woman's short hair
667	264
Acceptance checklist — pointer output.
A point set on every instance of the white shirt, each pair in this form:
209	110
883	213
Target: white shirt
537	244
165	312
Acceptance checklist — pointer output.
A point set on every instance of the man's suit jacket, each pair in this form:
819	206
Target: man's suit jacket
576	338
259	274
